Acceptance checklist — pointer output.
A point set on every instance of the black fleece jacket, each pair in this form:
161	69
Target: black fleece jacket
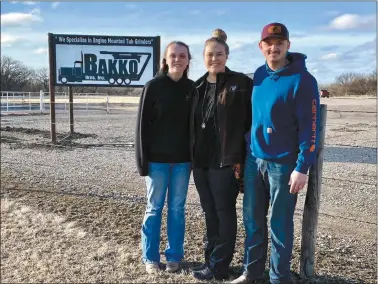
163	122
233	115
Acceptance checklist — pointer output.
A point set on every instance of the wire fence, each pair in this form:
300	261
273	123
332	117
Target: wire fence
142	199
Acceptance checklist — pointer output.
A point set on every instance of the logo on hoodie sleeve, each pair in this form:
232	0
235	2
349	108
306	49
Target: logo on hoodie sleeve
313	128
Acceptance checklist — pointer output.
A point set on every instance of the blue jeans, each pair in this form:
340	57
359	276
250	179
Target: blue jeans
263	182
163	177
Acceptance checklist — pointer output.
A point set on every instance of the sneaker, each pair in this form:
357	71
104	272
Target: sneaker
243	279
203	274
199	267
152	268
207	274
172	266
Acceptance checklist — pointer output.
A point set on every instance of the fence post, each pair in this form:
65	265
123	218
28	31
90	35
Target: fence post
41	101
30	104
70	95
52	75
7	102
65	101
311	207
107	103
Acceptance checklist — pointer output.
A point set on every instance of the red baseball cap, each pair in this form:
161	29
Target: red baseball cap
277	30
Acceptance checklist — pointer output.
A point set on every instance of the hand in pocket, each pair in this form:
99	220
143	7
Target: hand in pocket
239	171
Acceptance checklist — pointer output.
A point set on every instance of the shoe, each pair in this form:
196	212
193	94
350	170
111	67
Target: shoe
199	267
203	274
242	279
207	274
172	266
152	268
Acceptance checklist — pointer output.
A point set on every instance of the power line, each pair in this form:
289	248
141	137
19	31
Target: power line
348	180
361	111
351	146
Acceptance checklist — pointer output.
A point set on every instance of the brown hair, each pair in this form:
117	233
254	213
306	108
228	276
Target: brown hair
219	36
164	66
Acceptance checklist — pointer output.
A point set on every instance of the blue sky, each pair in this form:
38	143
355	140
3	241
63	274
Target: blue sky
337	37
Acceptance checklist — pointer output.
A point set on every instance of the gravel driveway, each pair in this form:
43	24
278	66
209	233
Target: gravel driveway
98	164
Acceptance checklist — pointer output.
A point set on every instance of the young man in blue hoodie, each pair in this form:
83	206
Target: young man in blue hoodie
283	143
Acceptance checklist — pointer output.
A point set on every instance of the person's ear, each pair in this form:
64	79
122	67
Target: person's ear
260	45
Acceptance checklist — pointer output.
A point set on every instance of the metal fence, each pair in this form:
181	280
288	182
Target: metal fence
40	101
98	117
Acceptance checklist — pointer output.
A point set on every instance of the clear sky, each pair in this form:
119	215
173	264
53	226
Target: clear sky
337	37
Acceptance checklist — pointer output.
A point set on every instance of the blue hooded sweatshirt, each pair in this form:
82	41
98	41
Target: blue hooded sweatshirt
285	108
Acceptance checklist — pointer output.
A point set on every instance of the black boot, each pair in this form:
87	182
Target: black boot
199	267
207	274
203	274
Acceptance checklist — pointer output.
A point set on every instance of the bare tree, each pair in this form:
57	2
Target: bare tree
41	78
91	89
372	83
355	84
359	85
14	74
346	78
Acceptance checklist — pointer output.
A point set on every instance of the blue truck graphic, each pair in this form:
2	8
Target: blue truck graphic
122	69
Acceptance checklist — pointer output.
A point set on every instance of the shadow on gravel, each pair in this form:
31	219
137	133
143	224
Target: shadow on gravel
235	272
9	139
323	279
64	140
45	133
363	155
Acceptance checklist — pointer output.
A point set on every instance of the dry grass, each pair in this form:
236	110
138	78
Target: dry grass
49	237
81	240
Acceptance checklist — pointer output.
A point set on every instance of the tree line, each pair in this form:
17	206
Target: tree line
16	76
354	84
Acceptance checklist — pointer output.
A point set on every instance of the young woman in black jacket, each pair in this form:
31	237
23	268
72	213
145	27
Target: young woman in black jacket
162	149
221	117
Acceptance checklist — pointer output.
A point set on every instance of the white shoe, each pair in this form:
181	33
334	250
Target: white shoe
243	279
152	268
172	266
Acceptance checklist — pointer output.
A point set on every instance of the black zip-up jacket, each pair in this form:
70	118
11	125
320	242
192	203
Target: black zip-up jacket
163	122
233	114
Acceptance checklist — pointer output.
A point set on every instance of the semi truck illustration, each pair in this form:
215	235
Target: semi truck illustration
123	68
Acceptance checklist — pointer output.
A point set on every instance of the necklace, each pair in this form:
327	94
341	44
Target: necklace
209	108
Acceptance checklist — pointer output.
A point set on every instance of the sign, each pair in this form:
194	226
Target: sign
107	61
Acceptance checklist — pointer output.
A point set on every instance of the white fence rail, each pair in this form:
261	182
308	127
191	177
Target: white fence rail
40	101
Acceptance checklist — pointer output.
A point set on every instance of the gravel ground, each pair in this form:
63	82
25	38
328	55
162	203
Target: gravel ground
95	170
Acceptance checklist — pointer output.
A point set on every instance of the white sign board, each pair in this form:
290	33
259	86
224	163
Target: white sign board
106	61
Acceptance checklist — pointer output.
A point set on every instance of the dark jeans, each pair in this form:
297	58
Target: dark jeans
218	192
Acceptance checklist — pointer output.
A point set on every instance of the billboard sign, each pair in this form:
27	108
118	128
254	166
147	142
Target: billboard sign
89	60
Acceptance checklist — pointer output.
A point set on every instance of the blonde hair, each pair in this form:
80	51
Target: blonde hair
219	36
219	33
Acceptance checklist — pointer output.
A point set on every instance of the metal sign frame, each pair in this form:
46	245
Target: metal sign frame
88	40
